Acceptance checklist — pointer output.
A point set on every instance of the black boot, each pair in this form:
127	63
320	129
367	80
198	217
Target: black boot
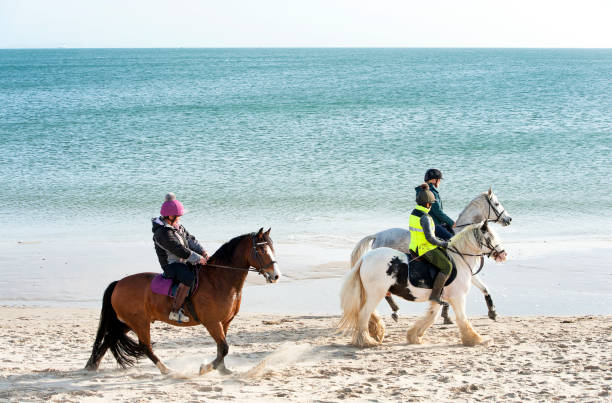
438	286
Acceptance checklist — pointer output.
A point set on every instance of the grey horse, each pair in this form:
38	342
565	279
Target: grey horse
485	206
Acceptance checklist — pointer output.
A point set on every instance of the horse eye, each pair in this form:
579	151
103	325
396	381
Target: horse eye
496	204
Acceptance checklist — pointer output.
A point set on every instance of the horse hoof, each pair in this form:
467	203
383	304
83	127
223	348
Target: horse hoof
486	341
224	371
413	338
478	340
447	321
363	340
492	315
163	368
205	368
394	316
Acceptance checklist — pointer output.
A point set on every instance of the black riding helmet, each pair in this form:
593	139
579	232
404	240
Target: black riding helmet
433	174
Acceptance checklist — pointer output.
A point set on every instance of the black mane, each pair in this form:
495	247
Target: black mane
226	251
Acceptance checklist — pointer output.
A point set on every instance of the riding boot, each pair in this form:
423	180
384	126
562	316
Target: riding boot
438	286
176	313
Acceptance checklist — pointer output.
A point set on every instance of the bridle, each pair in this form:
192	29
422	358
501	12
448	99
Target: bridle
482	242
261	269
498	214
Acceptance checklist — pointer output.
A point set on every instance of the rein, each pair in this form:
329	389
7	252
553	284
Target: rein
250	268
259	270
491	208
466	263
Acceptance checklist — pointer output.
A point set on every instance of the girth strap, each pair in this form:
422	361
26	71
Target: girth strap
191	309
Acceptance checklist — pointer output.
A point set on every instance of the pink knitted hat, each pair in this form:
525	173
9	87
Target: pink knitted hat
172	206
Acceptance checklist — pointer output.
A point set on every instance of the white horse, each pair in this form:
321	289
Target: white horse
485	206
385	269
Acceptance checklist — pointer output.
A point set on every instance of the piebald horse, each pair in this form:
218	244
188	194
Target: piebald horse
385	269
129	304
485	206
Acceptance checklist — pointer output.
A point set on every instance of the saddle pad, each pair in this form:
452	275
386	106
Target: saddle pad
162	285
422	274
166	286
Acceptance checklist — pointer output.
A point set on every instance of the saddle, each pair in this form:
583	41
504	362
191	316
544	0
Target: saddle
421	273
167	286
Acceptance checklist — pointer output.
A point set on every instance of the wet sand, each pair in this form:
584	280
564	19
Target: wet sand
301	358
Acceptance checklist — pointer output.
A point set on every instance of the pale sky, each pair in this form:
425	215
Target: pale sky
306	23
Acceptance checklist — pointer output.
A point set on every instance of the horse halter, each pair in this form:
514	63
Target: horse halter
262	268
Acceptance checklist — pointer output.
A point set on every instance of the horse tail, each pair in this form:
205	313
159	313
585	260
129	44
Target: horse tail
352	299
112	334
362	247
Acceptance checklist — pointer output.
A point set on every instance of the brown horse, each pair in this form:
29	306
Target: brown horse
129	304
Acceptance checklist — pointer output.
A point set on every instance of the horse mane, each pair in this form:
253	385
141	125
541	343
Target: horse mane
483	194
226	251
466	234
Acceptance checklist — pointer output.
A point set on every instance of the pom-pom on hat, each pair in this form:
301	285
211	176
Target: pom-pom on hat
172	206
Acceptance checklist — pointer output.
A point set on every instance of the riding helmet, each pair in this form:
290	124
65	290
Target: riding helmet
433	174
424	195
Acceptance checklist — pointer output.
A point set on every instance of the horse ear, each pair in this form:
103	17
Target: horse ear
268	231
490	190
260	232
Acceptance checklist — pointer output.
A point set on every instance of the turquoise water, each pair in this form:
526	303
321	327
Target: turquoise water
310	140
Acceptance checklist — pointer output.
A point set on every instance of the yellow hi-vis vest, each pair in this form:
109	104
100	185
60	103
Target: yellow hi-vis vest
418	242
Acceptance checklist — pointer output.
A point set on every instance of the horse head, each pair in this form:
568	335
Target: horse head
496	212
263	257
488	242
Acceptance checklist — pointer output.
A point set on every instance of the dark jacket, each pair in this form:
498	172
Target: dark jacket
175	245
436	212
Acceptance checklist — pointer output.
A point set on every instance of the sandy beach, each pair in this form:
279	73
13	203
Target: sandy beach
317	123
300	358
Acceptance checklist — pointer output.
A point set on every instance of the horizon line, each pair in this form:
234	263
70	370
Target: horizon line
300	47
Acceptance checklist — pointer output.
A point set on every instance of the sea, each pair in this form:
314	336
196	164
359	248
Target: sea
321	145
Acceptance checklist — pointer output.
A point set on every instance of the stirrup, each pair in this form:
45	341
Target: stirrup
179	316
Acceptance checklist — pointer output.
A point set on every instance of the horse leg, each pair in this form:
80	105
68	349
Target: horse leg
393	306
216	331
469	337
483	288
414	335
361	336
143	331
447	319
376	327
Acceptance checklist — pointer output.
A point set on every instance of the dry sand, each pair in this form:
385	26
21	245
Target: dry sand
301	359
